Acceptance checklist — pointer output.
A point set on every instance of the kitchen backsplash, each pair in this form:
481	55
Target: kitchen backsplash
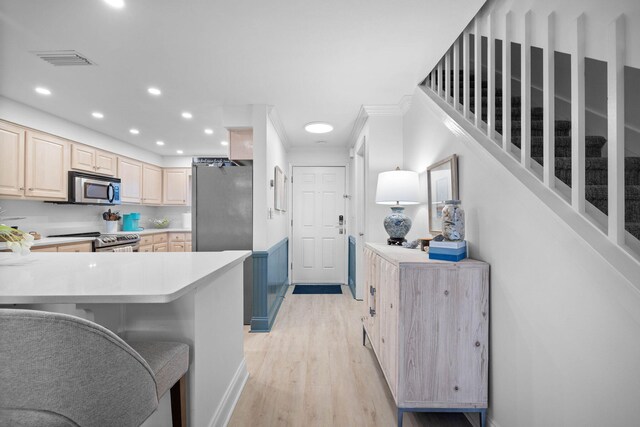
51	218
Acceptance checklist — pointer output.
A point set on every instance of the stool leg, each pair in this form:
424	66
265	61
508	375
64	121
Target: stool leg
400	412
179	403
483	418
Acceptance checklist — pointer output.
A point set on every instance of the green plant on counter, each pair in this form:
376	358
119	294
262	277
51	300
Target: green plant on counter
17	240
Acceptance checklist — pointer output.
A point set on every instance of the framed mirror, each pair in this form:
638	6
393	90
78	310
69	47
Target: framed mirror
280	193
442	183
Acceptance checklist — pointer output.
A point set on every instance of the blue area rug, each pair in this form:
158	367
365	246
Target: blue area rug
317	289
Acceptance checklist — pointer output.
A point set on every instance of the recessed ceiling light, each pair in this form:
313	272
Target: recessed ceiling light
154	91
134	131
321	142
179	151
208	131
187	115
160	142
318	127
97	115
118	4
224	143
43	90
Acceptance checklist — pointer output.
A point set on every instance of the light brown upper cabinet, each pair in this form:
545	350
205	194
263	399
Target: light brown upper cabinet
12	169
130	172
241	144
46	166
175	186
151	184
92	160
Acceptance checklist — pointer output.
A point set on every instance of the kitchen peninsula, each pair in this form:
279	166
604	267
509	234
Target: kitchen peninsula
195	298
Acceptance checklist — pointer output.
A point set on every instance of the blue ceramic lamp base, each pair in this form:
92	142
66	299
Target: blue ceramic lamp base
397	225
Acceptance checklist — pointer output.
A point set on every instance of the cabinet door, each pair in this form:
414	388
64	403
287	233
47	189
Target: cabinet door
145	248
176	247
76	247
160	238
83	158
371	283
160	247
388	318
130	172
12	170
152	184
175	186
188	247
47	163
106	163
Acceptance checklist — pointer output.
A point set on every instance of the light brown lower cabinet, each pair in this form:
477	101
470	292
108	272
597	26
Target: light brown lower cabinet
176	247
428	322
44	249
146	248
160	247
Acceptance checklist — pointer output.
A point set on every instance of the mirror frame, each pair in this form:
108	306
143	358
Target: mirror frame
435	226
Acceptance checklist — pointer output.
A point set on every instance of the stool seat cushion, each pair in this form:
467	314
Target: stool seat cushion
169	361
33	418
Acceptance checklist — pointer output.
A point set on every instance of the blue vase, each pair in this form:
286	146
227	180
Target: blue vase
397	225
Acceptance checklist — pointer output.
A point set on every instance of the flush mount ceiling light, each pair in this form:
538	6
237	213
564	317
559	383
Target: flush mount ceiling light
97	115
187	115
179	151
116	4
160	142
43	90
208	131
224	143
134	131
154	91
318	127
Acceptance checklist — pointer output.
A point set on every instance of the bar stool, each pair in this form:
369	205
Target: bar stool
60	370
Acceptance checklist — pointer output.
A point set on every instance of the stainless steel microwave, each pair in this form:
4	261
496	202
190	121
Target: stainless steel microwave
88	189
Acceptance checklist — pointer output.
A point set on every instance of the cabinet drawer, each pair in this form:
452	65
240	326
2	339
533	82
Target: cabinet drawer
160	238
146	240
188	247
160	247
176	247
176	237
146	248
44	249
77	247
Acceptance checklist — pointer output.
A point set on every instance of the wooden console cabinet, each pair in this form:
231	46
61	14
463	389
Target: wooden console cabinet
428	323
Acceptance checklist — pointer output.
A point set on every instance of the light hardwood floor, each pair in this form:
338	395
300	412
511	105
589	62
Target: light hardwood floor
312	370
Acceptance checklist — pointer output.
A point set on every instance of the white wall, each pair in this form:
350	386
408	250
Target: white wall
277	223
565	326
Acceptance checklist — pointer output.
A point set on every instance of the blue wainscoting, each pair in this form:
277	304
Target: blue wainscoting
270	281
352	265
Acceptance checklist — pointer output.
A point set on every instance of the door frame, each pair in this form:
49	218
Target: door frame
328	164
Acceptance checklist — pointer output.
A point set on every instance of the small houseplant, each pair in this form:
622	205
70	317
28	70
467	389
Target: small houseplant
17	240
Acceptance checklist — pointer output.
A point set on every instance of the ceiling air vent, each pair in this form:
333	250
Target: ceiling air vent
63	58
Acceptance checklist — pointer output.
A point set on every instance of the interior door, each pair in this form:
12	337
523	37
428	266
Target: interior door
318	225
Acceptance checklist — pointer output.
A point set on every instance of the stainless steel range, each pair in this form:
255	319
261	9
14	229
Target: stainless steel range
117	243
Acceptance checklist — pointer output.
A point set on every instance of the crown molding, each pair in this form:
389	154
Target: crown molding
277	124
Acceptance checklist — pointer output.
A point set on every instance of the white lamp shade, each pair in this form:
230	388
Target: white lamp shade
401	187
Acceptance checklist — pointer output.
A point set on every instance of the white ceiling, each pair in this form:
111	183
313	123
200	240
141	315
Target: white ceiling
313	60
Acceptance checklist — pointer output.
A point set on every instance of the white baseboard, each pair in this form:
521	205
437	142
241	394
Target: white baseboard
223	414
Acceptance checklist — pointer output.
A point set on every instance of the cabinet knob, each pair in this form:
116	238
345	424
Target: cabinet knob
446	292
31	189
382	340
477	343
22	188
456	388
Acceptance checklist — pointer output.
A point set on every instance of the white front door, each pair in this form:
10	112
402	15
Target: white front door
318	237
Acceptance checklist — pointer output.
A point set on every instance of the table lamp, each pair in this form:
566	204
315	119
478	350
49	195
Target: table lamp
397	188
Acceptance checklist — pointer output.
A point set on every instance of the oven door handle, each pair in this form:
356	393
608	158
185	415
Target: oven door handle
111	193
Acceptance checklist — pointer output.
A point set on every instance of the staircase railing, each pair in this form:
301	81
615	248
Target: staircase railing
474	88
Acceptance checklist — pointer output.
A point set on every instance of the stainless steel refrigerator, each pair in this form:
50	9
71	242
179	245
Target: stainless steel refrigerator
222	213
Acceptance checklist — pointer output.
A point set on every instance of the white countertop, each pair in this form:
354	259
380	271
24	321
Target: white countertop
108	277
